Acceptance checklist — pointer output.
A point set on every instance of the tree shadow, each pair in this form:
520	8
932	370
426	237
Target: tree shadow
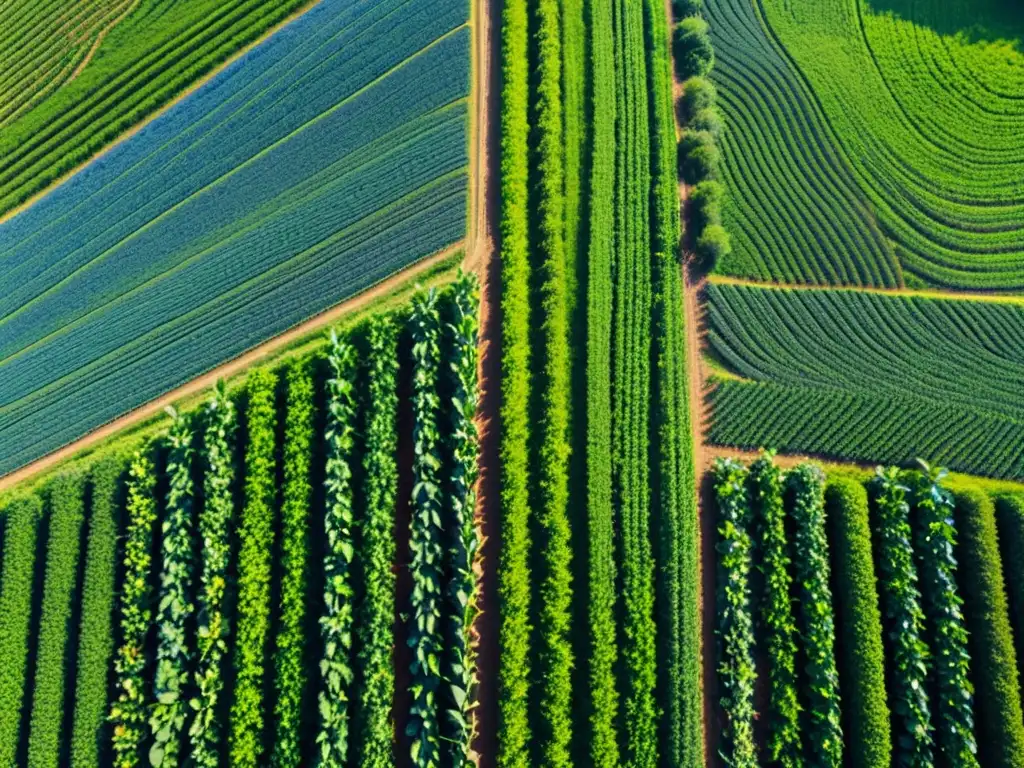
972	21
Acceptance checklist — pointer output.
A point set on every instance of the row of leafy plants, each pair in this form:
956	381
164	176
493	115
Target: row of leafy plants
911	662
251	616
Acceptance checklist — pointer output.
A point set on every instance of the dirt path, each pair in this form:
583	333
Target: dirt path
99	40
207	380
162	110
482	258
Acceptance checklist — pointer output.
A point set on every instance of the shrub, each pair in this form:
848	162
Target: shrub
90	736
862	656
463	538
256	532
909	660
1010	517
174	655
215	535
708	120
817	625
699	157
935	538
426	535
374	730
135	612
336	620
21	527
712	245
699	93
291	678
684	8
67	510
780	631
706	205
999	716
736	670
694	53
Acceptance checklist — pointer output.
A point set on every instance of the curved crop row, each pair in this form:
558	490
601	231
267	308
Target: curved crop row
909	655
135	612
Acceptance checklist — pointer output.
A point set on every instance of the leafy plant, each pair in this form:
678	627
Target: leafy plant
817	625
215	534
909	655
135	612
426	543
463	541
256	532
935	542
375	636
736	672
289	656
336	620
175	611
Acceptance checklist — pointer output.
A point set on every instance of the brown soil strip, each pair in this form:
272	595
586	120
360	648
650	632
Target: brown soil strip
482	257
153	116
99	40
207	380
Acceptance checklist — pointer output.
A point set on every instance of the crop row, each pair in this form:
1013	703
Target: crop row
889	687
309	176
610	621
205	658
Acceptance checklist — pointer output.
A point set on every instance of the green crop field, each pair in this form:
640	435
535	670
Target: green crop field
632	383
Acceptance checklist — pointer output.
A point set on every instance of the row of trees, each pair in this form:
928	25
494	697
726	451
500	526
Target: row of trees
222	544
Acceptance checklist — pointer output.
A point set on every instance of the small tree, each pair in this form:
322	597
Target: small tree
712	245
698	93
694	54
706	205
699	157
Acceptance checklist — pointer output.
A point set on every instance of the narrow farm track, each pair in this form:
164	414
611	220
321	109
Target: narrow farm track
158	113
482	258
240	363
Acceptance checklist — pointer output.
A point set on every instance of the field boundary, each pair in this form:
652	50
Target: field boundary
237	364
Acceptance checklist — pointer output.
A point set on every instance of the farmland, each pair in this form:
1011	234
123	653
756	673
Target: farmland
869	376
908	655
77	75
224	222
198	503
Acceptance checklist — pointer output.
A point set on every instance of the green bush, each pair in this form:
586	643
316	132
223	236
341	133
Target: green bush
699	157
1000	720
290	676
862	656
215	535
90	734
694	54
698	94
708	120
463	541
426	535
817	625
934	542
176	608
256	532
1010	517
706	205
713	244
684	8
67	510
780	630
514	580
375	636
135	613
909	656
21	526
736	671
